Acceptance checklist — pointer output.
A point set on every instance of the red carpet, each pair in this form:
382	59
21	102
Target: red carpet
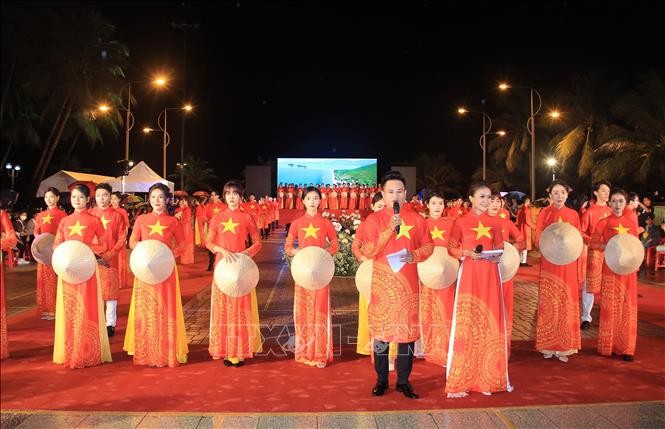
30	381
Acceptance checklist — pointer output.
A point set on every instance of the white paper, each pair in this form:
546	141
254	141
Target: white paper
394	260
491	255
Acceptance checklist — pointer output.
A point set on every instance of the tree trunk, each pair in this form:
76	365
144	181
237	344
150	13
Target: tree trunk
5	92
40	164
53	145
70	150
7	152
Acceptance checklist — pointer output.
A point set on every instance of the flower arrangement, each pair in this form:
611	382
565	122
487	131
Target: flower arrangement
345	225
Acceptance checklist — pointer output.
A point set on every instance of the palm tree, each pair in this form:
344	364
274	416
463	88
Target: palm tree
197	174
588	122
76	64
435	171
637	150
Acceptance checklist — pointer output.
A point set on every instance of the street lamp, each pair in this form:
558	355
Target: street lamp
166	137
531	128
487	127
552	163
12	171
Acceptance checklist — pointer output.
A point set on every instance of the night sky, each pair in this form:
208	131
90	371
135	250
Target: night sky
338	79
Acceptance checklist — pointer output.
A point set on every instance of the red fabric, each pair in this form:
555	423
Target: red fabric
394	302
526	225
116	237
618	308
122	254
557	325
311	309
479	361
231	325
188	232
436	306
47	221
8	241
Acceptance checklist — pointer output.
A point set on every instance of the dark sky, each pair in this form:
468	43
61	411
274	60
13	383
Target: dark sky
338	79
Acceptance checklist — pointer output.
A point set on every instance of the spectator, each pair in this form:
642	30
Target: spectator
651	235
645	211
20	230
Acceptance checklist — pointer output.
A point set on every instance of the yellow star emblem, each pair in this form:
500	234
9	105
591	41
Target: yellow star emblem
157	228
229	225
104	221
482	230
404	230
560	220
436	232
216	210
310	231
76	229
459	212
502	215
621	229
47	219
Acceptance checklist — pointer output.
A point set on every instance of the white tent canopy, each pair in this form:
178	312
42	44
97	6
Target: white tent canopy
62	179
140	179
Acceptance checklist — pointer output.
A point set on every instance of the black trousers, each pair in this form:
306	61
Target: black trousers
211	260
403	365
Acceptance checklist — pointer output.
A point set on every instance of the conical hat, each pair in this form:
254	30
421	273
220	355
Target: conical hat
624	254
364	278
42	248
312	268
74	262
509	262
237	278
561	243
152	261
439	270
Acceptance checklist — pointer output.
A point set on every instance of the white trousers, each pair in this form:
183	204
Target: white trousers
523	256
111	313
587	304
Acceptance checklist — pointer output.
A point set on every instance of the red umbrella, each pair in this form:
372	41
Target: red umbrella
201	194
181	194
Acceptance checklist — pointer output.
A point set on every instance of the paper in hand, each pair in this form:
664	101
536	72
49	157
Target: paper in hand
395	260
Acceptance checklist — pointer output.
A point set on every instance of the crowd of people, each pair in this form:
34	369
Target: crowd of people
464	326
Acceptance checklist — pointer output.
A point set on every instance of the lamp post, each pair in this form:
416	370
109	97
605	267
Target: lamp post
12	171
487	127
166	137
531	129
158	82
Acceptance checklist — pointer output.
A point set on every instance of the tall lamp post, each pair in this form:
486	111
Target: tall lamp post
166	137
487	127
12	171
158	82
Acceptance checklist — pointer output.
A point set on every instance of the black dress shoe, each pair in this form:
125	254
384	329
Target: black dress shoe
239	364
110	330
407	390
524	264
585	325
628	358
227	362
379	389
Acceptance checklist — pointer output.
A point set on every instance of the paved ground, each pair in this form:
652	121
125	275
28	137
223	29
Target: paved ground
275	297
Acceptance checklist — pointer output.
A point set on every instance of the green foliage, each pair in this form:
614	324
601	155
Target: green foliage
365	175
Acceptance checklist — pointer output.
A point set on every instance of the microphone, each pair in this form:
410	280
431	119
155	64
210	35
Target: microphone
396	211
479	248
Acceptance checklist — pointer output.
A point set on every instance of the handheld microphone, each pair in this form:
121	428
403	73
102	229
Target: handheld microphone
479	248
396	211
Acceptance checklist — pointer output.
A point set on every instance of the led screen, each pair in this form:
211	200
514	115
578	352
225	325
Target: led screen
326	171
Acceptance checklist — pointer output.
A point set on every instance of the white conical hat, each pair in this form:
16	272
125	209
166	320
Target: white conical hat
42	248
74	262
561	243
439	270
152	261
364	278
624	254
509	262
312	268
237	278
